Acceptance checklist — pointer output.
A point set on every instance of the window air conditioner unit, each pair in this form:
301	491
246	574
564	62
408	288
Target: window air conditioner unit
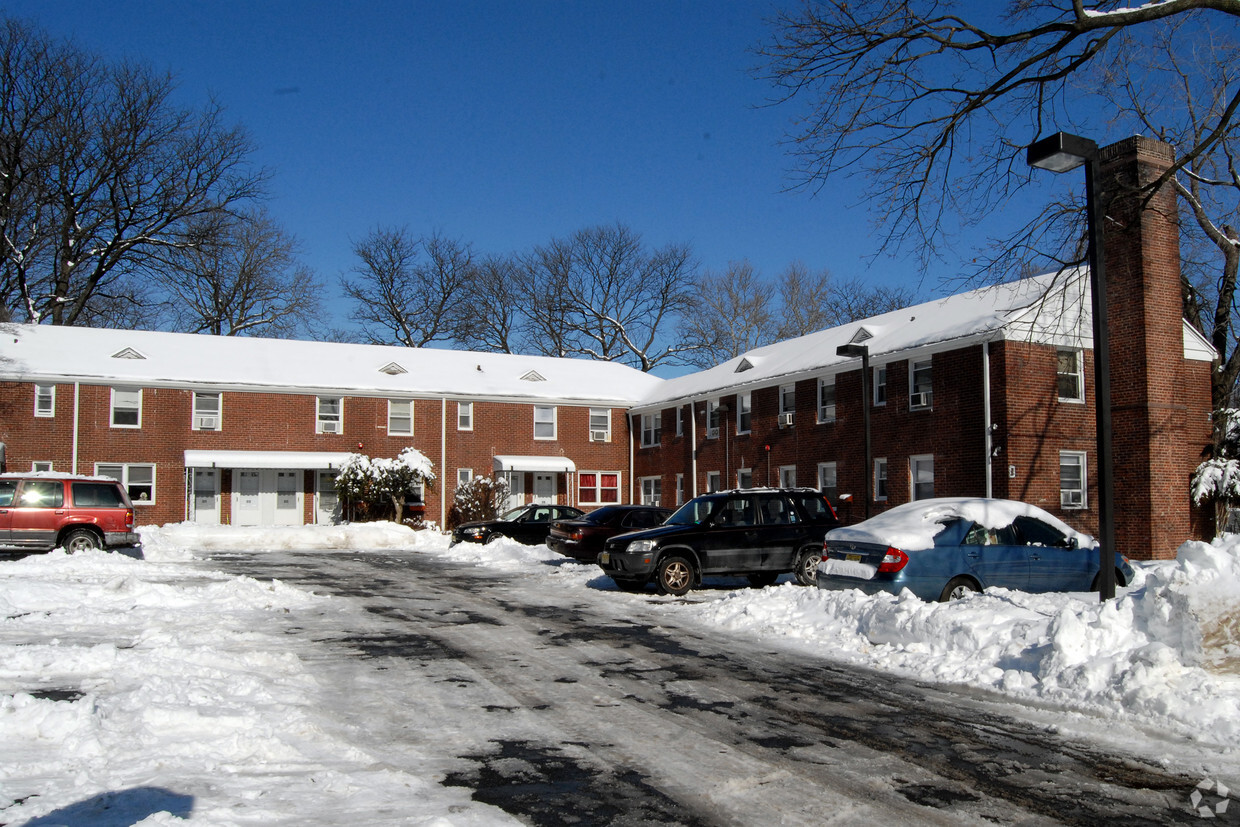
598	436
208	423
1071	499
919	400
330	427
785	419
712	433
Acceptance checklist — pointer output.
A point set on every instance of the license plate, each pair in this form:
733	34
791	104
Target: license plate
853	558
604	558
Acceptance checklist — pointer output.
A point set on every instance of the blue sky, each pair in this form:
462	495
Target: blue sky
502	124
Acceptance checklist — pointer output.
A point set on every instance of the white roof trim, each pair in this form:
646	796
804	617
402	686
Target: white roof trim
304	460
562	465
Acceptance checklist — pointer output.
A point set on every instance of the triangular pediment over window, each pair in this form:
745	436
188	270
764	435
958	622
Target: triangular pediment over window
127	353
534	376
392	369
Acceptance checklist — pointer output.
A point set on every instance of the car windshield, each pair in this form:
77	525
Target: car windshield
694	512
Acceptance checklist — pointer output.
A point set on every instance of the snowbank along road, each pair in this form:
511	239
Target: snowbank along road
593	713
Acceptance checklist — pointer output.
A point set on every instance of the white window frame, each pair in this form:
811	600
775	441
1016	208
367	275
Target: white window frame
926	368
787	476
880	385
464	416
598	488
395	415
1078	375
680	420
713	417
916	465
829	472
44	401
544	416
652	490
744	478
464	476
323	420
199	415
41	465
744	413
123	472
600	422
787	399
652	429
127	394
826	410
680	489
1080	459
880	479
714	481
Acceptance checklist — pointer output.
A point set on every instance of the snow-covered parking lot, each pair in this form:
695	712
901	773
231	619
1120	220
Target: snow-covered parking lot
122	680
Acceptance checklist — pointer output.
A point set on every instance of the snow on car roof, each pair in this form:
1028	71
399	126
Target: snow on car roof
914	525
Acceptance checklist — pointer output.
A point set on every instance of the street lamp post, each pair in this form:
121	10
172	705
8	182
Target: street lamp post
1062	152
854	350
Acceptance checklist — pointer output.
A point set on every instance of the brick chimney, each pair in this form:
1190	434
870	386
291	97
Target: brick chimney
1160	403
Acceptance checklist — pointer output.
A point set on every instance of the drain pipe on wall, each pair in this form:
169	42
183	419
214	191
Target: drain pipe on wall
990	428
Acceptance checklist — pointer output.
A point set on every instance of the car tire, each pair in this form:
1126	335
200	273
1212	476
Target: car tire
81	539
630	585
957	588
807	567
762	579
674	575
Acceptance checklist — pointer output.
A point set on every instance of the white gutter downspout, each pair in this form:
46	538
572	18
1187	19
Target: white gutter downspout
632	458
443	459
77	396
693	446
990	471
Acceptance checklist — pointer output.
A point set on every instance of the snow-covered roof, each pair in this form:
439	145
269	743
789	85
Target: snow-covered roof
155	359
1050	309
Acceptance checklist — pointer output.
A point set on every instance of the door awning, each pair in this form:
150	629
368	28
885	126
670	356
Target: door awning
559	465
304	460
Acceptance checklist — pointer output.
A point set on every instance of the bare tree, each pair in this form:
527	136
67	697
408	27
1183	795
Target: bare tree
408	291
804	301
240	276
603	295
732	313
934	111
101	171
490	318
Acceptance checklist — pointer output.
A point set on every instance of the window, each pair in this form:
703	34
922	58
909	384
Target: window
920	389
880	479
330	415
788	476
651	430
39	465
680	489
1070	376
139	480
712	419
744	478
880	386
596	487
744	407
921	476
127	407
464	416
207	412
544	422
464	476
42	494
44	400
400	417
1072	479
680	421
652	490
787	399
713	481
600	425
826	399
827	481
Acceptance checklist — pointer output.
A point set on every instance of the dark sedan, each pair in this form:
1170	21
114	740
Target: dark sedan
583	538
527	524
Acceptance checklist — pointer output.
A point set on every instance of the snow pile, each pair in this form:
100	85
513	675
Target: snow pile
178	540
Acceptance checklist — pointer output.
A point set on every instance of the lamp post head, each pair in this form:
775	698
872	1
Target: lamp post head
1060	152
852	349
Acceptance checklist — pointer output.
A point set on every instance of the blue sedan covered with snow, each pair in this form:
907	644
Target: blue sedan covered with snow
946	548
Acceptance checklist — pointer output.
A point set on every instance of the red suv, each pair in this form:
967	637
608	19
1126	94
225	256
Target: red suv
45	510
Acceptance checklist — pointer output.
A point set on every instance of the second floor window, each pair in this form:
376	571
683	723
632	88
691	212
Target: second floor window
826	399
400	417
652	429
45	400
464	416
1069	375
127	407
330	415
880	386
207	412
712	419
600	425
920	390
744	408
544	422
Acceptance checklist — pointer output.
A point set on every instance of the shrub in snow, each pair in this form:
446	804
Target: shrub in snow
482	498
377	489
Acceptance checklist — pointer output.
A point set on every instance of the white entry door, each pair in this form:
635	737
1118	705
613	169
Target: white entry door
327	506
288	499
544	488
516	488
247	498
206	496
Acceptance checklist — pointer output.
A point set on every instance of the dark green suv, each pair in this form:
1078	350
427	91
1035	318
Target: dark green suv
760	533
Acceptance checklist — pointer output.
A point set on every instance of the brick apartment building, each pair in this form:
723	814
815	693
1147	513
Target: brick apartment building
987	393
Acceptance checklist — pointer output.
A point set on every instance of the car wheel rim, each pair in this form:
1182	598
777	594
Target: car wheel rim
676	576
